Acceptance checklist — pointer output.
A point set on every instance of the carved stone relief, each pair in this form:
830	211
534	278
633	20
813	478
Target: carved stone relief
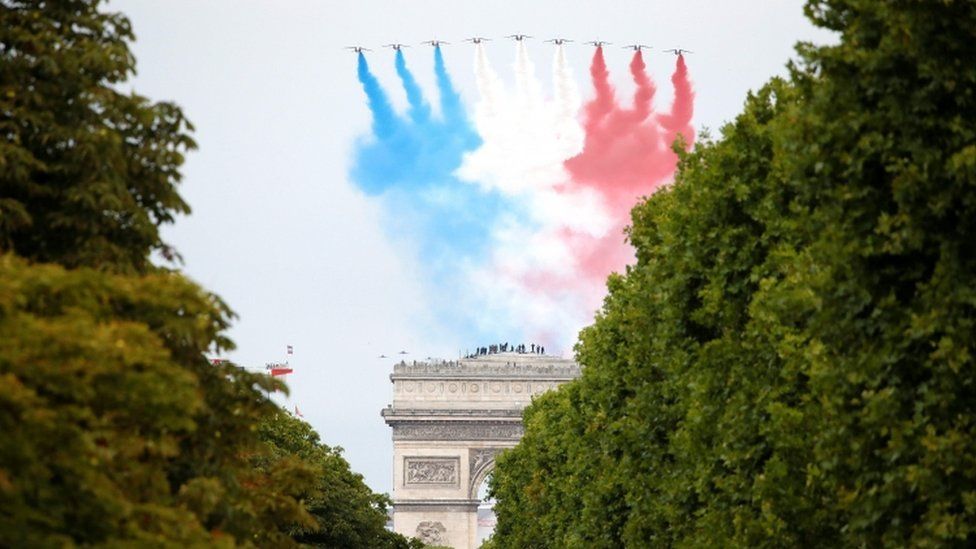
431	471
479	459
431	532
456	430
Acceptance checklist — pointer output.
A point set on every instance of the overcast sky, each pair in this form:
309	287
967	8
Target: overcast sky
279	232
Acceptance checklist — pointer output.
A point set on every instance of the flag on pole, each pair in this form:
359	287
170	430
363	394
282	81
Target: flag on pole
280	370
290	349
297	413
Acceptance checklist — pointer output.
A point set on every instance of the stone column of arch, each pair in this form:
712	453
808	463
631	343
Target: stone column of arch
450	420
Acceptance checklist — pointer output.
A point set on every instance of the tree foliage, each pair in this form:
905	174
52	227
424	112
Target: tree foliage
790	361
347	512
115	429
87	172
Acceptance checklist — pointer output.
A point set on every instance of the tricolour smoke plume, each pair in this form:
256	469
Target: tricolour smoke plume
526	138
518	218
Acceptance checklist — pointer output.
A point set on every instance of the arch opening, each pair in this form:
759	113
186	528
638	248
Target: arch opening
486	511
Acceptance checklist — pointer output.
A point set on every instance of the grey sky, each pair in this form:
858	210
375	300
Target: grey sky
276	228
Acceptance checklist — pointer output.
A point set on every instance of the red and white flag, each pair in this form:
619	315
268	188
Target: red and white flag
280	370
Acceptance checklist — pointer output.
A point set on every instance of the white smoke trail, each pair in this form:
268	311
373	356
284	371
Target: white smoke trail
525	141
489	86
566	93
524	137
527	86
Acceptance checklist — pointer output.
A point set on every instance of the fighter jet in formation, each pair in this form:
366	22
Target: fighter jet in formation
518	38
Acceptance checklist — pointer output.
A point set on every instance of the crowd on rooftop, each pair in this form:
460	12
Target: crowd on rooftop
523	348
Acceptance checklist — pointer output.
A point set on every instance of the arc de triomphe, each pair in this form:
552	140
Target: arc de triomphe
450	420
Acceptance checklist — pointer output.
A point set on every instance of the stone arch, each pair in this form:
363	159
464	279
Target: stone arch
482	464
450	421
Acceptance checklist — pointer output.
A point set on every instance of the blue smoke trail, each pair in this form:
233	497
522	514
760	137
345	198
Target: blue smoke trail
409	163
450	99
419	109
379	105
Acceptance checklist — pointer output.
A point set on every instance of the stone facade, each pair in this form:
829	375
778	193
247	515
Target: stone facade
449	421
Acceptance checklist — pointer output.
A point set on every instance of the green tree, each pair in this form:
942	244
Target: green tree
347	513
790	361
115	429
87	173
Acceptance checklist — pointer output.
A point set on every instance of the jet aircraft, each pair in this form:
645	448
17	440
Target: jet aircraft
436	43
518	37
476	39
637	47
678	51
558	41
598	43
358	49
396	46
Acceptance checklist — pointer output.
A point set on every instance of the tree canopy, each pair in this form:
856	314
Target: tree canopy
115	428
790	361
347	512
87	173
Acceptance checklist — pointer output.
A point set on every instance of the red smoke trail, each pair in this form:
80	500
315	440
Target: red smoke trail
603	103
682	108
626	155
645	90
